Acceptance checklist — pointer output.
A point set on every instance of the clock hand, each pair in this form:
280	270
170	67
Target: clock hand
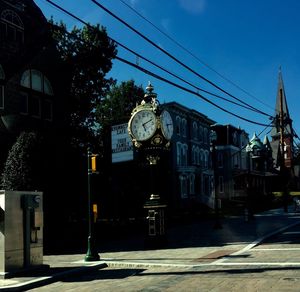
144	124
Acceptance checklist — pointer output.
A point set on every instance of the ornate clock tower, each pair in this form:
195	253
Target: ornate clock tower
151	130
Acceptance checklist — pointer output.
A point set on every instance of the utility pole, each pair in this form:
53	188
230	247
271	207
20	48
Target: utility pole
283	170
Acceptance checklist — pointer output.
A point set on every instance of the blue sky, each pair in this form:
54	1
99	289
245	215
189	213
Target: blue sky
245	42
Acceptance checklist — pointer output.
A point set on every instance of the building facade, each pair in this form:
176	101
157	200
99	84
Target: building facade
190	158
231	159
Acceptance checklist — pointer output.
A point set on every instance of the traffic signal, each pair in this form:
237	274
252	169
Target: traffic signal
94	163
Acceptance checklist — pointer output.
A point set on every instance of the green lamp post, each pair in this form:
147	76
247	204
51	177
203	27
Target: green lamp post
91	254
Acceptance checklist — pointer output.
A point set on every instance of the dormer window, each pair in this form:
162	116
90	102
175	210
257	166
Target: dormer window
11	27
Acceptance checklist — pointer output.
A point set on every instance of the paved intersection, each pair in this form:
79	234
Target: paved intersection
241	256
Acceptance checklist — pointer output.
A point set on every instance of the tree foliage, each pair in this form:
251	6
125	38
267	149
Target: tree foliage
87	53
119	102
21	167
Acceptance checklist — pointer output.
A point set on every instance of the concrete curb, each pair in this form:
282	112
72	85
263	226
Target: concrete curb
41	281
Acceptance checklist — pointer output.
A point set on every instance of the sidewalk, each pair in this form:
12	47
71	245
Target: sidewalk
190	245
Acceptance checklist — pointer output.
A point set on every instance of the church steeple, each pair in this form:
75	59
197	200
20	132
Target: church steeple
281	133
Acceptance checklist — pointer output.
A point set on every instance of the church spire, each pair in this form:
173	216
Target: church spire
281	105
282	131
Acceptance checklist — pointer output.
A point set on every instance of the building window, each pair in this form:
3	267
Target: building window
178	153
205	139
178	123
195	131
182	154
183	186
36	81
183	127
197	156
185	155
192	184
36	98
201	134
206	155
11	27
202	158
194	159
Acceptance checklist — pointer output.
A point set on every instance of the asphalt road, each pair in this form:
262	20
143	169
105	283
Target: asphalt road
273	264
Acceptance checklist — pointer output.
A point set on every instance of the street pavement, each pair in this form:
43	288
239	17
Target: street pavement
260	254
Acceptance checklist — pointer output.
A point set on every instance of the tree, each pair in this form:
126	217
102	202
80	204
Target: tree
21	167
119	102
88	54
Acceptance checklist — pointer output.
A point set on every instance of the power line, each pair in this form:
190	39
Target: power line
157	76
154	64
170	55
187	90
192	54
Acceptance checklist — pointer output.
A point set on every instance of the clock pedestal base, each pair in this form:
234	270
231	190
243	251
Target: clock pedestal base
156	237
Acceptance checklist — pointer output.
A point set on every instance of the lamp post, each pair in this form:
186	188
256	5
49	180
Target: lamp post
213	138
91	254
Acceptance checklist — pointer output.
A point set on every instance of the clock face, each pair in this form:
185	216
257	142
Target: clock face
143	125
166	124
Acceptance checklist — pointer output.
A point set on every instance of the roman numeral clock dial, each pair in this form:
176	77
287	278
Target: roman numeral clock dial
143	125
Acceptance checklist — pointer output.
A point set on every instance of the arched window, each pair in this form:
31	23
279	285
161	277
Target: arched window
35	80
197	156
206	155
205	135
183	127
192	184
2	77
201	134
178	153
202	158
183	186
178	125
11	27
195	131
194	158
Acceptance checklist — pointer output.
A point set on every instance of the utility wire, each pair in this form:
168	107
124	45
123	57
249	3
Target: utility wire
192	54
151	62
171	56
159	77
187	90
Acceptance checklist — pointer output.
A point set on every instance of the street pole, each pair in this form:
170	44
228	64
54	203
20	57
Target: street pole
213	138
283	170
91	254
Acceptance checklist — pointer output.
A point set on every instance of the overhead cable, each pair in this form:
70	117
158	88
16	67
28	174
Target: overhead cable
154	64
192	54
157	76
171	56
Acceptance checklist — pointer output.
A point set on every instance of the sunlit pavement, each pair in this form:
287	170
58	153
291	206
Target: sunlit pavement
261	254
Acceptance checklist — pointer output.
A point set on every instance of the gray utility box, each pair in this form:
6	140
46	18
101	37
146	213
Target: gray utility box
21	230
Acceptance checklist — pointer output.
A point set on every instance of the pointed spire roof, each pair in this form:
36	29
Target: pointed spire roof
281	92
267	144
